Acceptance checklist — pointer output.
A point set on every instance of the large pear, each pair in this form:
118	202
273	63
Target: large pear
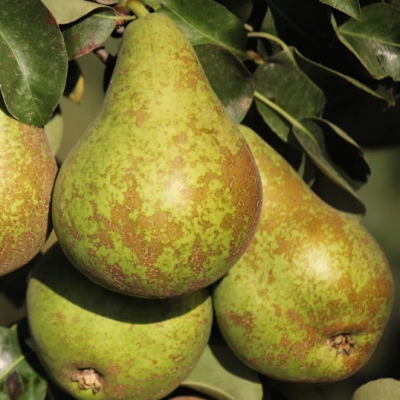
161	195
102	345
310	298
27	173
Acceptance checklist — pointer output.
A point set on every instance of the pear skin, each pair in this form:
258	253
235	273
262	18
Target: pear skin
98	344
161	196
311	296
27	173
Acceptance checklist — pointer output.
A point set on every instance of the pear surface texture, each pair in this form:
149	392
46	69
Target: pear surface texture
27	173
161	196
98	344
311	296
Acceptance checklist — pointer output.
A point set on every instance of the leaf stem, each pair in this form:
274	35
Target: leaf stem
117	18
283	113
137	8
264	35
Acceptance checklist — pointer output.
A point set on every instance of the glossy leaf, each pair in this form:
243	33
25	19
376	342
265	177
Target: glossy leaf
350	7
18	379
284	84
222	376
313	135
376	40
230	79
382	389
204	21
33	62
241	8
69	11
89	33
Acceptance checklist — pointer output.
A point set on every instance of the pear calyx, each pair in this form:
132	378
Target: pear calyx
88	379
342	343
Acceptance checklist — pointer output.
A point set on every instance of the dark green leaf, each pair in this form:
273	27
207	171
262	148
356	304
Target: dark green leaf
18	379
88	33
376	40
230	79
241	8
350	7
204	21
382	389
33	61
368	120
313	135
335	85
69	11
284	84
222	376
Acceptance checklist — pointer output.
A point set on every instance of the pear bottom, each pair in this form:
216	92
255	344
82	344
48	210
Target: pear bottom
95	343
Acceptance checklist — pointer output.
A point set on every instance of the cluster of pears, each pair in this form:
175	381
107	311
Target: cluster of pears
161	200
160	197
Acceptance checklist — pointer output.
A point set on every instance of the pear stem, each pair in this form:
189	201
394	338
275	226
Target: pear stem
137	8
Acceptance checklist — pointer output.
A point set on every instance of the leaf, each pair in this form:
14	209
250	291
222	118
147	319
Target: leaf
349	7
376	40
89	33
204	21
283	83
336	85
241	8
18	379
368	120
313	135
69	11
33	62
382	389
230	79
75	83
55	132
108	2
222	376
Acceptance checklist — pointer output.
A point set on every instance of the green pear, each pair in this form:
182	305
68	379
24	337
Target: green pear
95	343
310	298
27	173
161	196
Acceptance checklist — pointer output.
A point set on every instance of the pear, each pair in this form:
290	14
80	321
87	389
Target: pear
310	298
95	343
27	173
161	195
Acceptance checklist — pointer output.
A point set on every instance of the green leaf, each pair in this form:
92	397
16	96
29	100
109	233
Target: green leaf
336	85
241	8
33	62
382	389
376	40
204	21
349	7
313	135
69	11
230	79
18	379
283	83
89	33
222	376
